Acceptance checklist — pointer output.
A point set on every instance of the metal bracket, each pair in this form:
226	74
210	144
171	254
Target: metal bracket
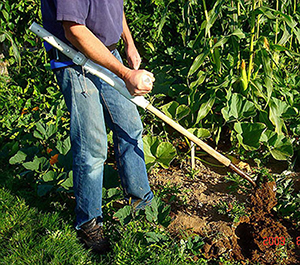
79	59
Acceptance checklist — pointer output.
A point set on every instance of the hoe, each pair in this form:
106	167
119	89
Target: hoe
79	59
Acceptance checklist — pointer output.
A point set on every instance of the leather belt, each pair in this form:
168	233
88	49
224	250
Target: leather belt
58	56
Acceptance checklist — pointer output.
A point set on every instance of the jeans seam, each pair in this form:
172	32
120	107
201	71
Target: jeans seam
117	136
82	149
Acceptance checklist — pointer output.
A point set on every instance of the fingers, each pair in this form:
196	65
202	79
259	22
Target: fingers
135	82
134	59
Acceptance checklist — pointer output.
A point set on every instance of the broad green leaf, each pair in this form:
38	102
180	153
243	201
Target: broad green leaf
44	131
200	132
64	146
239	33
40	131
49	176
201	75
181	112
68	183
249	134
113	192
279	146
238	108
165	153
152	237
150	142
170	109
151	211
175	111
2	37
277	110
19	157
35	165
124	215
285	37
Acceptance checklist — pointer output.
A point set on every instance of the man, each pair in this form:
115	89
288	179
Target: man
94	27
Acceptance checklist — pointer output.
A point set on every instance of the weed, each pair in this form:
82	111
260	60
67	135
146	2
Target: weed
234	210
288	202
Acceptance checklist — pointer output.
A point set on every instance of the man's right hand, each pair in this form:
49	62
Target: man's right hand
134	80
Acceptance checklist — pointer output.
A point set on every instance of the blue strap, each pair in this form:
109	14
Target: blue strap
56	64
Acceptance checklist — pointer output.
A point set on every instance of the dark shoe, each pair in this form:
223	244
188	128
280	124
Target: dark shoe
91	234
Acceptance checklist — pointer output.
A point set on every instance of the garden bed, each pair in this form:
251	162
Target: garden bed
202	204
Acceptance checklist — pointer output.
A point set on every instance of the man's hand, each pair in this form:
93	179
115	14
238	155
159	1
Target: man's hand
134	80
133	57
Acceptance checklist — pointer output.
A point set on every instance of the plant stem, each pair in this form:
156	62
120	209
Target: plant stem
206	16
276	25
258	19
252	40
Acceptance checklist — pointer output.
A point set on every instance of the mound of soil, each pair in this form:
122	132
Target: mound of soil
260	237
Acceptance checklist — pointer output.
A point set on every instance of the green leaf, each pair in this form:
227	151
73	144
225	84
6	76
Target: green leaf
239	33
277	110
249	134
170	109
198	62
151	211
279	146
200	132
124	215
2	37
165	153
175	111
19	157
158	152
36	164
181	112
68	183
205	108
238	108
152	237
49	176
44	131
150	142
64	146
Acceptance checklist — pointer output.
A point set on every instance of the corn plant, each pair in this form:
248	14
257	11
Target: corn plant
231	67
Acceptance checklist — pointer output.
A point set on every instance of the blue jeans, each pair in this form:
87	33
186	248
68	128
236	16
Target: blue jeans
93	104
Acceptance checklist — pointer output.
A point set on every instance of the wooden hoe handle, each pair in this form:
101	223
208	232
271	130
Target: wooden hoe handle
221	158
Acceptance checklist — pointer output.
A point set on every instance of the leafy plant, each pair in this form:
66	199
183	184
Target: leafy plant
234	210
288	202
157	152
157	213
231	66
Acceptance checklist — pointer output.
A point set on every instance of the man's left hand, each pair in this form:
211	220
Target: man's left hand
133	57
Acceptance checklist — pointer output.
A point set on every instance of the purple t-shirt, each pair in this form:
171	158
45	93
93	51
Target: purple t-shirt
103	17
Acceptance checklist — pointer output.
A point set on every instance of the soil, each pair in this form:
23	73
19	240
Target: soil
259	237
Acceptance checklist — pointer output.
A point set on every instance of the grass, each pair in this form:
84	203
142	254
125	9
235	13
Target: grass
31	237
39	230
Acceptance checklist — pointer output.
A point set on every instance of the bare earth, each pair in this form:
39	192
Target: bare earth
193	200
